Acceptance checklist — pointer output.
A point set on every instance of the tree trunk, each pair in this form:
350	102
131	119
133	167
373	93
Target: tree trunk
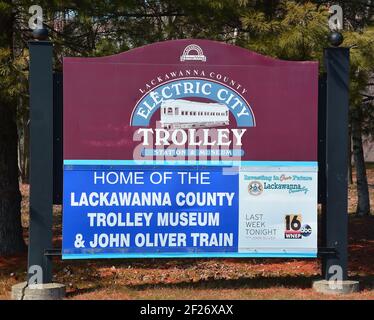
11	239
363	203
23	143
26	156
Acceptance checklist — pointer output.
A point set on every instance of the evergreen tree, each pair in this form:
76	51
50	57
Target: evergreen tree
11	240
293	30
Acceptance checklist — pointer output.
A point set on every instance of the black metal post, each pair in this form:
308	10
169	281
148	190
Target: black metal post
41	158
336	210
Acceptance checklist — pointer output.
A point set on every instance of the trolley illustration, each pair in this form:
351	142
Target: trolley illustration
180	114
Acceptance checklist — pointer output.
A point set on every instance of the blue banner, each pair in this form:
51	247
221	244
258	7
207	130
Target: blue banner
143	210
123	210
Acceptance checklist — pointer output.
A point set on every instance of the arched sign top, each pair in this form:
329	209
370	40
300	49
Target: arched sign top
192	51
273	100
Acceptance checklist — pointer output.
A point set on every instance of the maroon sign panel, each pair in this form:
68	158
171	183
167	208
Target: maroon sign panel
107	99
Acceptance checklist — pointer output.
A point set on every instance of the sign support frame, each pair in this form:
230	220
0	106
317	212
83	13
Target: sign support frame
335	201
41	161
335	221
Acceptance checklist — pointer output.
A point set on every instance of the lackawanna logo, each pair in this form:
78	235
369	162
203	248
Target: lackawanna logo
255	188
187	56
291	187
294	228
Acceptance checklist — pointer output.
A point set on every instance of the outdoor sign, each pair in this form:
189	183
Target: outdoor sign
189	148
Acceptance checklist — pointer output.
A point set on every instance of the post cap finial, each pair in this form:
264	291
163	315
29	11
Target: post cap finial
336	38
40	34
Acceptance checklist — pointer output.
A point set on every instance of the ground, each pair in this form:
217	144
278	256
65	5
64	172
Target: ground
201	278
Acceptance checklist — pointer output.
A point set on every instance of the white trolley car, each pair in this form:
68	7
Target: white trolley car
179	114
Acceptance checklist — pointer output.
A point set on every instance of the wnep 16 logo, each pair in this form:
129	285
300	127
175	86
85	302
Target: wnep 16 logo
294	227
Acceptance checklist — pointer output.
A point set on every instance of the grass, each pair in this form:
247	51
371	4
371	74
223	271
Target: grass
200	278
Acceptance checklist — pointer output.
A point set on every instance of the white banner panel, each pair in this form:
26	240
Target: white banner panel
278	210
